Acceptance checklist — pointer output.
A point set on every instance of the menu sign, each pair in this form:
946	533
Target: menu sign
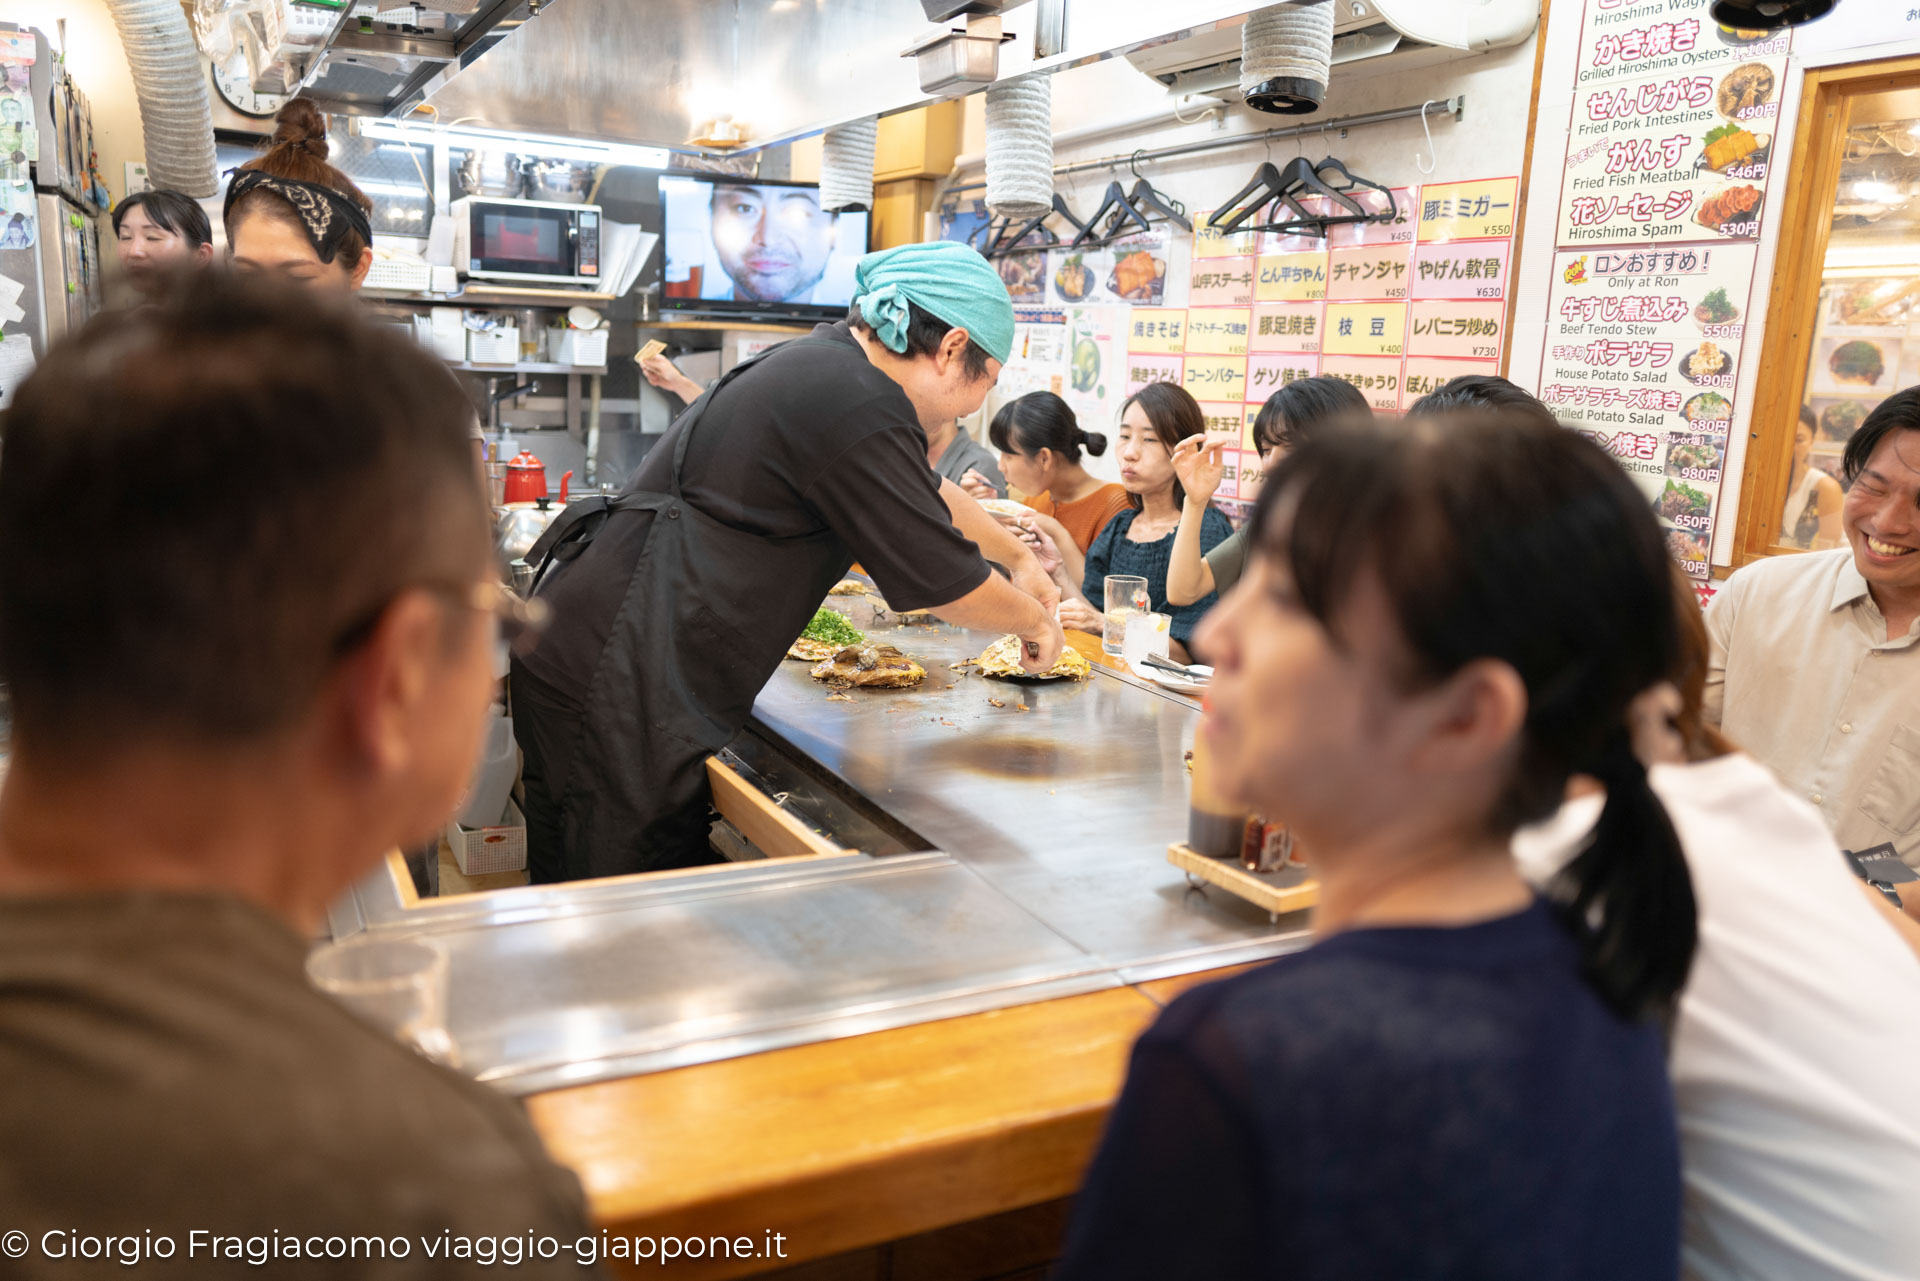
1678	156
1468	210
1627	39
1395	307
1642	354
1669	150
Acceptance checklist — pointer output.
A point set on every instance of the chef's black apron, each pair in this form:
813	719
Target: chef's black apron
706	616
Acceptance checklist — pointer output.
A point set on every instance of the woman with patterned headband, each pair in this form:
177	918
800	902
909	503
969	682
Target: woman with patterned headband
293	215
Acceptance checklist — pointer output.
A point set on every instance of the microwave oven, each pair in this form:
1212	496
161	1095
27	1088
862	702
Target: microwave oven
526	240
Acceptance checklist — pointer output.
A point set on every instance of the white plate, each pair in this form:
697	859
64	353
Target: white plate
1167	680
1006	507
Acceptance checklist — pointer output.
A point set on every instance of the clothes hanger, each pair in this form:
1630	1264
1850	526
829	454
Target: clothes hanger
1270	187
1013	239
1301	176
1353	180
1236	210
1119	216
1001	237
1148	198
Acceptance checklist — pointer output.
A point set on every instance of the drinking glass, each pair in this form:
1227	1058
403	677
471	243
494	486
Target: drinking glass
398	985
1126	596
1146	634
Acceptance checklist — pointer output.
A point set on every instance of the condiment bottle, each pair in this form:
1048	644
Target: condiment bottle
1215	826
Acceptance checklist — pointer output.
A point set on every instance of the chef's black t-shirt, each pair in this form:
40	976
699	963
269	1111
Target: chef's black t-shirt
813	439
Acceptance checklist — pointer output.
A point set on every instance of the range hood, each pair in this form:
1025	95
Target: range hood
670	73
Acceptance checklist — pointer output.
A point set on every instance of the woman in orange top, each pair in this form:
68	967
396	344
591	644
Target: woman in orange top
1040	444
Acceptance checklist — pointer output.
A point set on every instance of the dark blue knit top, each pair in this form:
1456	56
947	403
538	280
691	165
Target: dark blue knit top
1391	1105
1113	553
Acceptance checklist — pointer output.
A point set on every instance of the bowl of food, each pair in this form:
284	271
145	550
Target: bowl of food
1696	456
1024	274
1733	149
1073	280
1716	309
1858	362
1688	550
1707	361
1707	407
1841	419
1138	277
1875	302
1731	212
1006	508
1740	37
1744	90
1682	504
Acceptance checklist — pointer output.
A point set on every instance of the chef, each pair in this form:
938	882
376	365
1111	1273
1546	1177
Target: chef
674	601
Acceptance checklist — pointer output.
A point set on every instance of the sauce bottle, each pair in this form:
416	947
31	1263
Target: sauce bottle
1215	827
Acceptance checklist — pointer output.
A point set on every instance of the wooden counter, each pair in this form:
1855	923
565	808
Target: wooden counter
842	1146
851	1143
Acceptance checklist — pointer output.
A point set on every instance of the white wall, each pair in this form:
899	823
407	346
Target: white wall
98	64
1489	142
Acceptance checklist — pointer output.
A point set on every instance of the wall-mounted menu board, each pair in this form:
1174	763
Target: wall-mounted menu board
1395	307
1669	149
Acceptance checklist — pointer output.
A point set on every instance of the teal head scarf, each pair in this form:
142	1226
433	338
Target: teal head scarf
943	278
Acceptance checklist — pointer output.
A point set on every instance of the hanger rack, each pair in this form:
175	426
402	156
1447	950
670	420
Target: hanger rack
1454	106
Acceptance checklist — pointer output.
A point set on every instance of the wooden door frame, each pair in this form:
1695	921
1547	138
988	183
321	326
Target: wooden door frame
1826	97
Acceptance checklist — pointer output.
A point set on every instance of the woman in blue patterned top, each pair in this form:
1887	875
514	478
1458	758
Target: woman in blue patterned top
1139	541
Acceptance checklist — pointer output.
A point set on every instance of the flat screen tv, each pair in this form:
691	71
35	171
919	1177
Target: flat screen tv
750	247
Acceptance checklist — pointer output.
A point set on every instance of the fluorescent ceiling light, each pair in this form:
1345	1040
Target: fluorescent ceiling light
394	189
606	153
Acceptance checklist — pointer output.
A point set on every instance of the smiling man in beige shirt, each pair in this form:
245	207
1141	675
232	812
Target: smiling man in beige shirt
1816	669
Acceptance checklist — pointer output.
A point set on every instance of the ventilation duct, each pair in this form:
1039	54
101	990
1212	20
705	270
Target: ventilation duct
1020	146
1286	56
846	165
175	117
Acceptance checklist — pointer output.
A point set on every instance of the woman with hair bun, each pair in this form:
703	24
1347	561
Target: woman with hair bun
1041	444
291	214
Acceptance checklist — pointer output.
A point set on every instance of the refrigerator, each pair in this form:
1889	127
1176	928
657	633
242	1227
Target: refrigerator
60	271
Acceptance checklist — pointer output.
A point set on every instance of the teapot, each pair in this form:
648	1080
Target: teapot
527	479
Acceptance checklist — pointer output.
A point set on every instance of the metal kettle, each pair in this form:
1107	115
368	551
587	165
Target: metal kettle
520	527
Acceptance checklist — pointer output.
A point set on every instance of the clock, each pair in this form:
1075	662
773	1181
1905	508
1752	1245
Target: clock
236	90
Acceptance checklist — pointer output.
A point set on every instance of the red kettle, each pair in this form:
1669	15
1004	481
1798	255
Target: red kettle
526	479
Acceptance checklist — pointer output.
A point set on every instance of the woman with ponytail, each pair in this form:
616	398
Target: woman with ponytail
291	214
1441	623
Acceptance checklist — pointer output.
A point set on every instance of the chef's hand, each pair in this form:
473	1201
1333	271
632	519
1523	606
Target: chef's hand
1036	581
1200	463
1042	648
978	486
1082	617
663	374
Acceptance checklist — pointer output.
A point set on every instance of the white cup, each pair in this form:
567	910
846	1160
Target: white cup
398	985
1146	634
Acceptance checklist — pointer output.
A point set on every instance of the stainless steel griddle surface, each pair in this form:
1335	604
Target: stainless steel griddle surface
1066	808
